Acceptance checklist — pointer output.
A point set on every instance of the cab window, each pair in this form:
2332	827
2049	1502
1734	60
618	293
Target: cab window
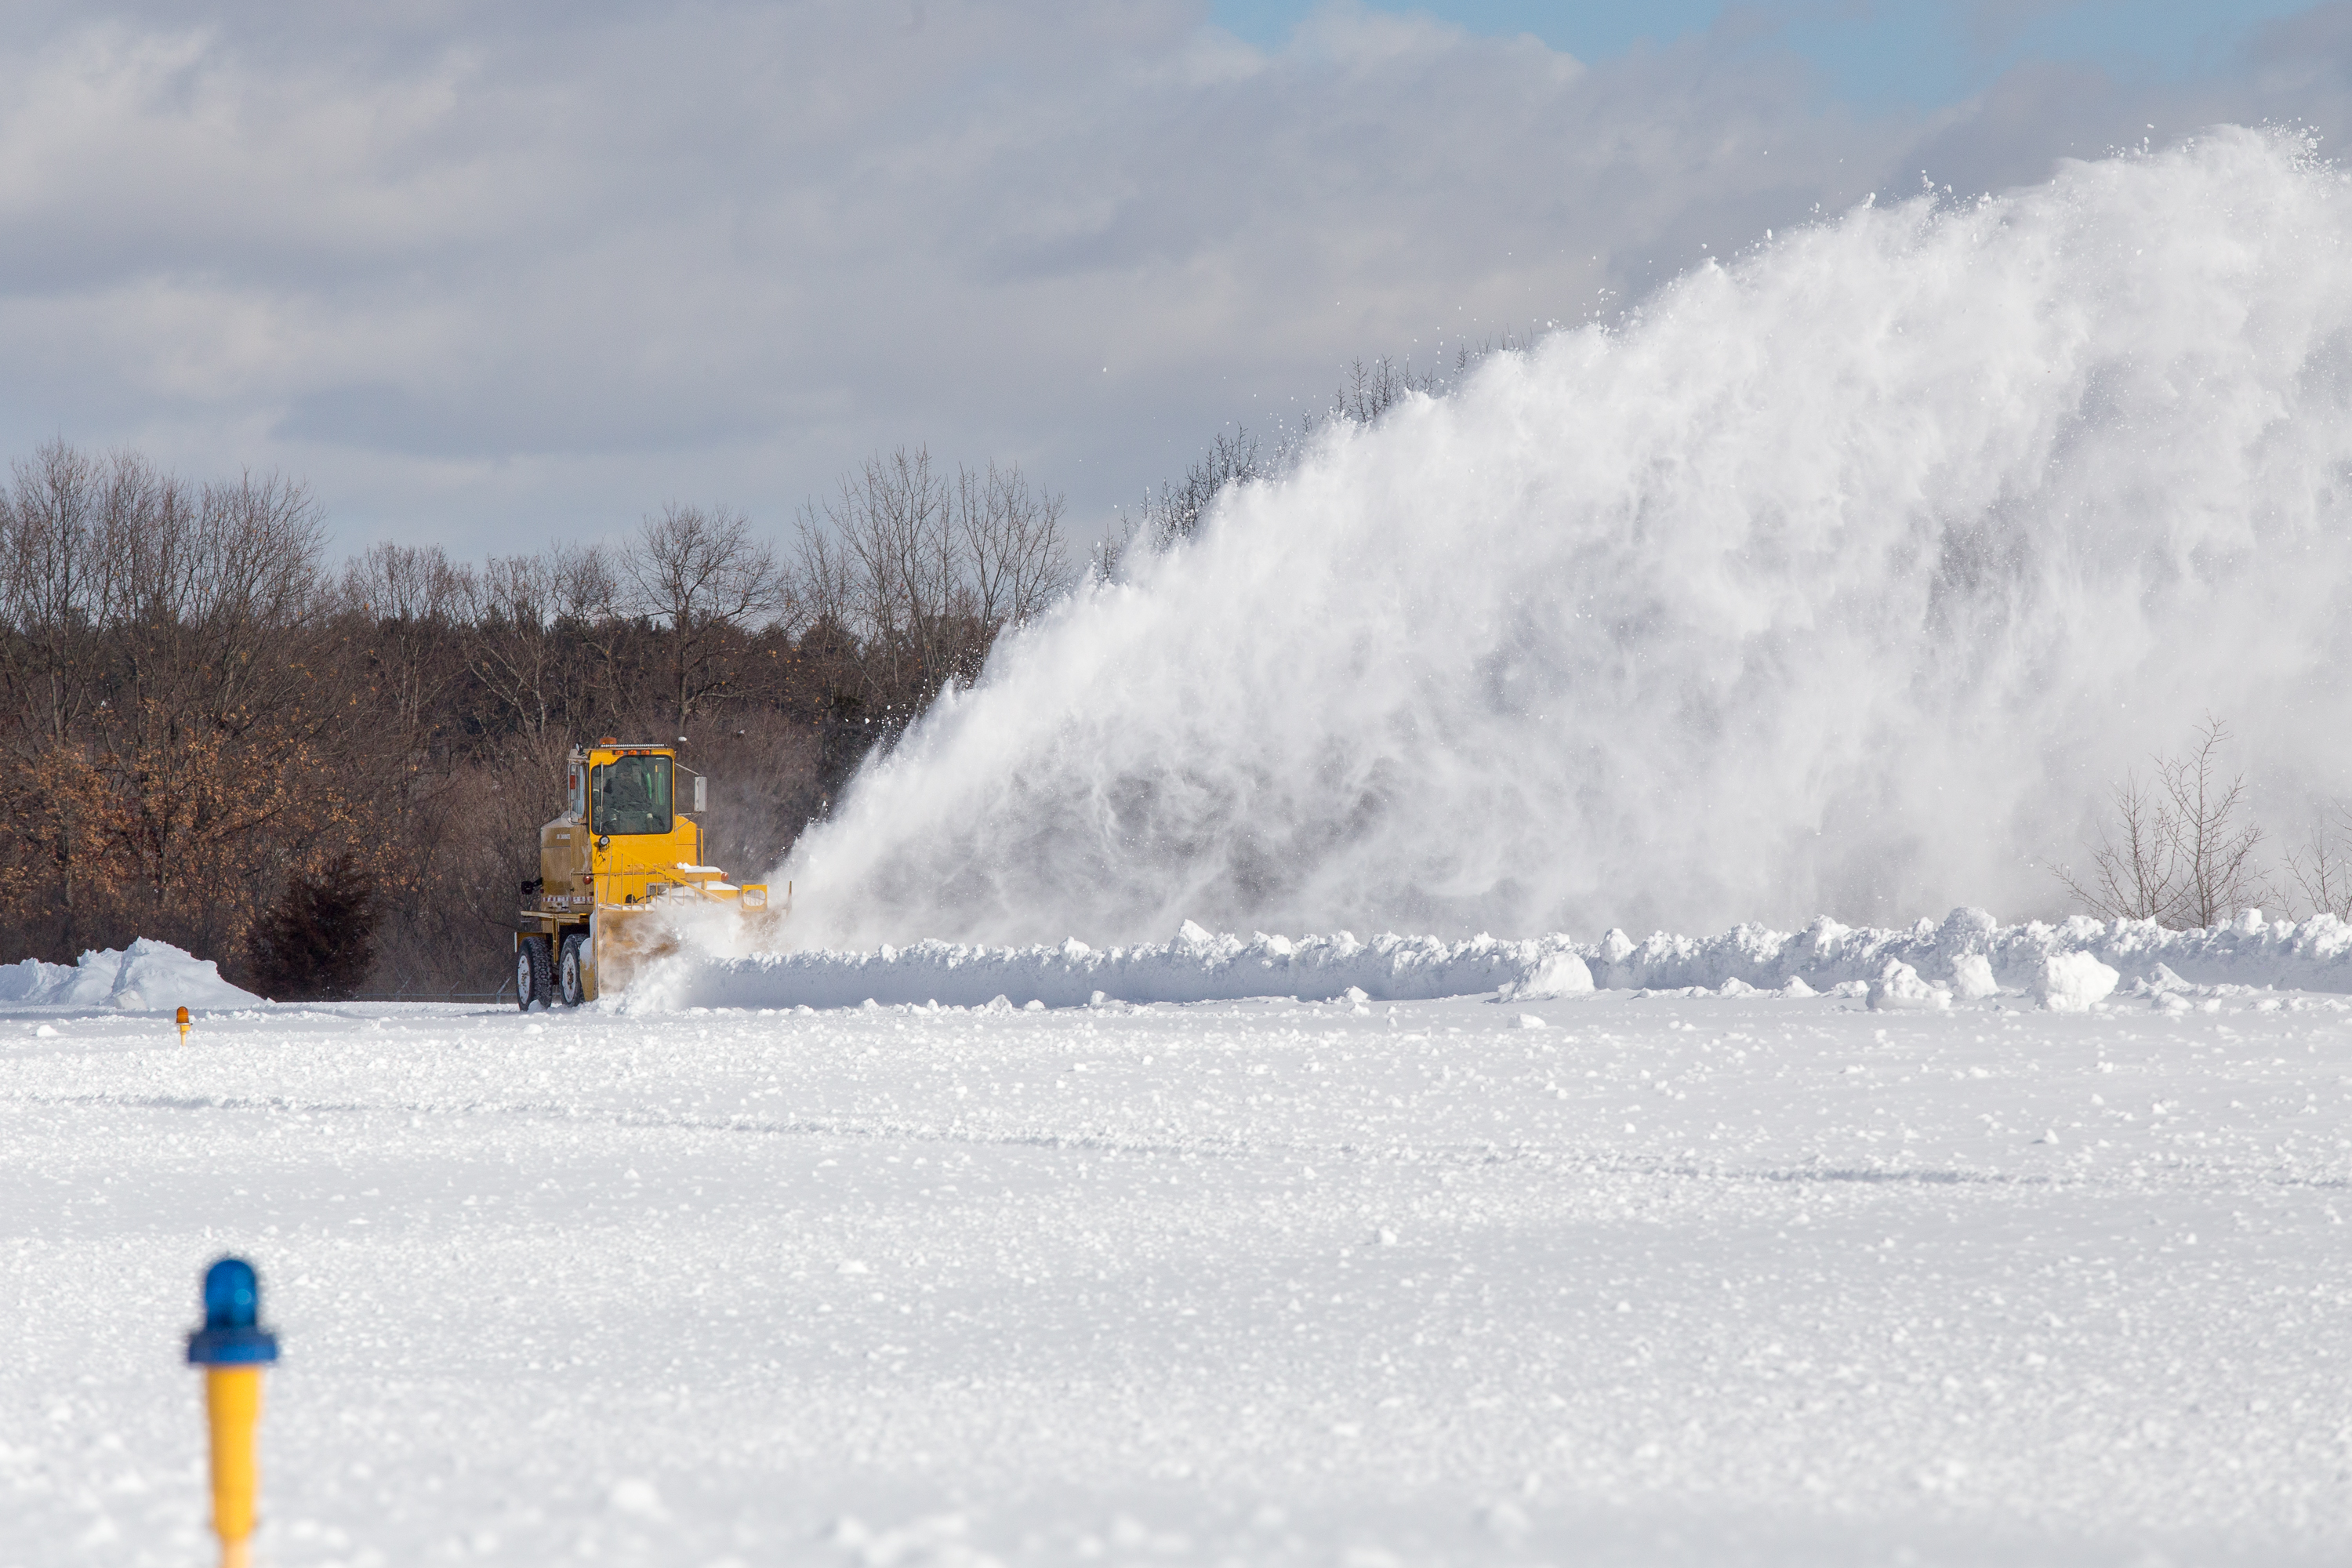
629	795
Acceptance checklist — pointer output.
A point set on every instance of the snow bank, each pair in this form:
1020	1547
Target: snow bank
1968	956
1195	967
147	976
1972	954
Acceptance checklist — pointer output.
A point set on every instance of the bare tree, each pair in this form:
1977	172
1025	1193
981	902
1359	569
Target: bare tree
2319	869
927	570
410	597
228	698
2136	869
826	574
2182	855
512	651
884	557
56	591
1012	545
592	622
2217	850
1234	457
227	588
55	587
1371	390
702	578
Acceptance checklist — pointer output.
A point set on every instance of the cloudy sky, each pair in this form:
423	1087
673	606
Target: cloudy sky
493	276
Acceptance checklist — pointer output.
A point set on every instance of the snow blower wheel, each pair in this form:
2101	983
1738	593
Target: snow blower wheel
532	977
569	983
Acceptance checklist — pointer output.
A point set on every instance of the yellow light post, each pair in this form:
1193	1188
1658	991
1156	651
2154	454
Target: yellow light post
183	1025
232	1347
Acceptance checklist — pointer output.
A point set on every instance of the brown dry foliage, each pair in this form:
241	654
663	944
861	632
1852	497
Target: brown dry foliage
193	709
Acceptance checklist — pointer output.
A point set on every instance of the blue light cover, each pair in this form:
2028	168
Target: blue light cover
232	1334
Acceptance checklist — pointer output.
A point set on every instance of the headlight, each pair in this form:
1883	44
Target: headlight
755	897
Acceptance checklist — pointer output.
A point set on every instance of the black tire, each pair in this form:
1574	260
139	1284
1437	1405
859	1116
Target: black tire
568	984
533	976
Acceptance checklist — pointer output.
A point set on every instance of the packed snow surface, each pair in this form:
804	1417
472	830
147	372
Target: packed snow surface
1844	575
146	977
1763	1278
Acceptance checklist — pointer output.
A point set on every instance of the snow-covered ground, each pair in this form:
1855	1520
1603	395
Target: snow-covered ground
1679	1278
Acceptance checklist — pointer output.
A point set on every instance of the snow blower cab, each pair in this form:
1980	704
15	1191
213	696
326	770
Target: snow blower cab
616	869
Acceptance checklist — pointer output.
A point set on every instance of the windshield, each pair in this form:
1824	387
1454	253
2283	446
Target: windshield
630	795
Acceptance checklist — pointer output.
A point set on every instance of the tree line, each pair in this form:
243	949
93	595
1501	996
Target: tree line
216	735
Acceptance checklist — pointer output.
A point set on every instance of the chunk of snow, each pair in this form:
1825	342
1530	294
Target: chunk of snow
1530	1021
1898	988
1972	978
2071	981
1561	974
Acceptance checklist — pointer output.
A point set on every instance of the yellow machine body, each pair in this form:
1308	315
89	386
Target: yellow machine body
624	847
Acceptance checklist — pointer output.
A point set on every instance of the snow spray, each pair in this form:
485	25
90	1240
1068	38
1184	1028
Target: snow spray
1846	576
232	1347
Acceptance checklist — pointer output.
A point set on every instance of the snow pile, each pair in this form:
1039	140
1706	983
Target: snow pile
1972	956
1968	956
145	977
1195	967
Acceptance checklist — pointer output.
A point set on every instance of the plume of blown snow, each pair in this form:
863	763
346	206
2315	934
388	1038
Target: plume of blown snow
1844	576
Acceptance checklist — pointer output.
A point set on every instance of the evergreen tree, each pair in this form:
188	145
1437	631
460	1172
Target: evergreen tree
317	942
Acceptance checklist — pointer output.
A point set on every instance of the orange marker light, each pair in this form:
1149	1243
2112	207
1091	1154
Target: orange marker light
183	1024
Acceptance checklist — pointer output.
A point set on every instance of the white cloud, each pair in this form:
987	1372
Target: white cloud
486	278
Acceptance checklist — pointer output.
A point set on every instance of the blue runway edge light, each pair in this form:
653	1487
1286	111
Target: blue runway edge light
232	1334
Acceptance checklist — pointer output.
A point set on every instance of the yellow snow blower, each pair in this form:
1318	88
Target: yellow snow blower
618	869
